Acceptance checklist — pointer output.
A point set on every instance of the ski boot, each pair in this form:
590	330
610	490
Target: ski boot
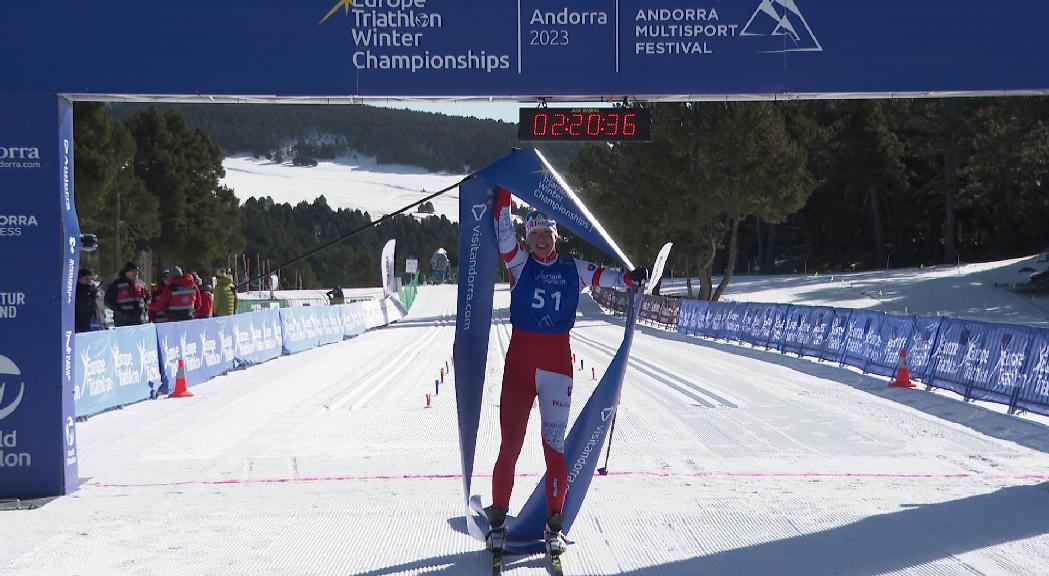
496	538
555	541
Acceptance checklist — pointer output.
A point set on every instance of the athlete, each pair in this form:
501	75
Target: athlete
544	294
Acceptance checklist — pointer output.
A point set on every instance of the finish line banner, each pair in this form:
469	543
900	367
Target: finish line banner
527	48
527	175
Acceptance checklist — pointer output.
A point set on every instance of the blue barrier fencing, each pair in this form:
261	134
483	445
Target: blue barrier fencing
129	364
258	336
1033	394
820	322
791	339
835	339
884	342
924	336
116	367
1002	363
206	346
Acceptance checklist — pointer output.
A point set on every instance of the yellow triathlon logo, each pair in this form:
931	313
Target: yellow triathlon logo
344	4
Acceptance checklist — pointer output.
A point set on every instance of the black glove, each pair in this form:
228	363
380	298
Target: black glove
638	275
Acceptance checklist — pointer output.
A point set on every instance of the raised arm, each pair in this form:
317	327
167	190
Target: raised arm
513	257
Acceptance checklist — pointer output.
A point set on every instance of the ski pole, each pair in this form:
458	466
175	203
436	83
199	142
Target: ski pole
603	471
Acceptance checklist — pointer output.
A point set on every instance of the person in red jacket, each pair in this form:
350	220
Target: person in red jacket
205	306
179	300
156	310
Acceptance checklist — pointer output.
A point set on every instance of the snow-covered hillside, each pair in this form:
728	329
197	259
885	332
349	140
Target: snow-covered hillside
354	182
973	291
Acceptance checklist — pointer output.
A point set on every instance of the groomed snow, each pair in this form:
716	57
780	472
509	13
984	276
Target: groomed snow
356	182
725	461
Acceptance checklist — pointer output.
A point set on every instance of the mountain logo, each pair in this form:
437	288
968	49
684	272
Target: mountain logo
606	413
782	19
479	210
344	4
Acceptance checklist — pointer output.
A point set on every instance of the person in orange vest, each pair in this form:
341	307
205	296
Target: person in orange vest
127	297
179	300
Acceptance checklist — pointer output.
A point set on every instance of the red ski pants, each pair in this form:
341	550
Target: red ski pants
536	365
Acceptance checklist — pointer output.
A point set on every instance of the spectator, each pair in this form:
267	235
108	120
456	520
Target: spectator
87	314
224	297
179	300
156	310
127	297
204	305
335	296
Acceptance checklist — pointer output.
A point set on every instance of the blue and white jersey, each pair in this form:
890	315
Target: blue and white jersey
545	296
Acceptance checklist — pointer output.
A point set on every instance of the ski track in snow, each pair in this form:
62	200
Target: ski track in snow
725	460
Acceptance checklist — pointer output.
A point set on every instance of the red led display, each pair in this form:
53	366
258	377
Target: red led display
602	124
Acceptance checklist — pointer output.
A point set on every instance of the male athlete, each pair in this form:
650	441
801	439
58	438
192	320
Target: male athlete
544	294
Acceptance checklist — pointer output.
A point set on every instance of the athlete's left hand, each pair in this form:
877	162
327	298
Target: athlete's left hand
637	275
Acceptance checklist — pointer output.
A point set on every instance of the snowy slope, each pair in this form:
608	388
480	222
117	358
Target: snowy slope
356	182
725	460
973	291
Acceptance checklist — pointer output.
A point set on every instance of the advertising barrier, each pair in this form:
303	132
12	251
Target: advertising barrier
206	347
794	328
996	374
884	343
924	337
116	367
834	343
257	335
857	345
1033	394
129	364
960	354
820	322
1002	363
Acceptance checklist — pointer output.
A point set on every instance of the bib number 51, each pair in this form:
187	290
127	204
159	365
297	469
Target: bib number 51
539	299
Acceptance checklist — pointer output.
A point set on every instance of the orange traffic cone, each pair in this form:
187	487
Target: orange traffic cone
903	375
181	388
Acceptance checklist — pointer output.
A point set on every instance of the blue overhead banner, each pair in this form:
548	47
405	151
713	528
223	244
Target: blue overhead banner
524	48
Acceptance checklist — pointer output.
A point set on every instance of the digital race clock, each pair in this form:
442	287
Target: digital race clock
605	124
